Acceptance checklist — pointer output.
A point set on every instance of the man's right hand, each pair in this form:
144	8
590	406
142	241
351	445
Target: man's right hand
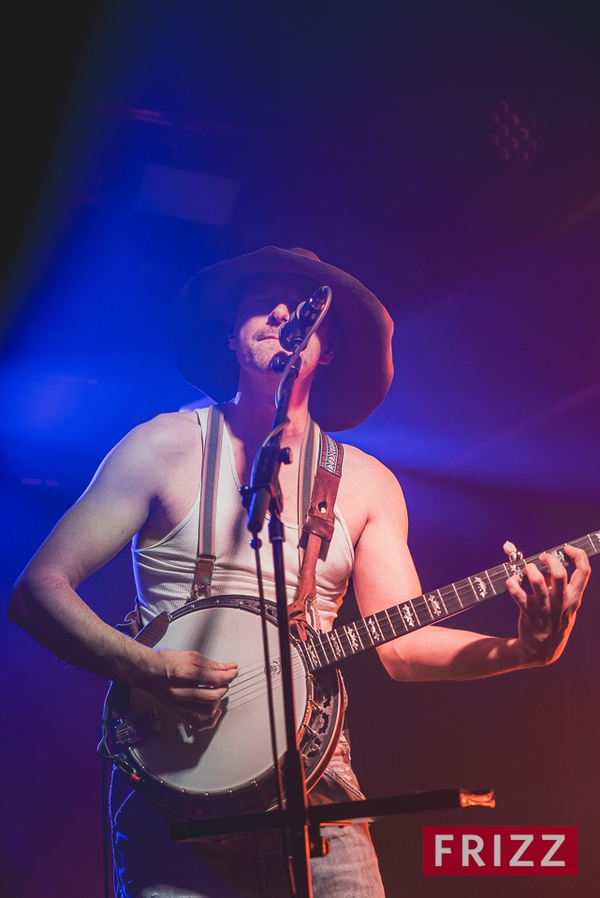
190	684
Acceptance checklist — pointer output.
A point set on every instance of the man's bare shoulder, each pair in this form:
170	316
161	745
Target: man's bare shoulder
167	430
150	454
168	434
362	467
368	491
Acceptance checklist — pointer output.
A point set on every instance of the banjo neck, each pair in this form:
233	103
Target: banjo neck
322	649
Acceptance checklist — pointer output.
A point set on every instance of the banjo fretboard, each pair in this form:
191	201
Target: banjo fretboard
323	649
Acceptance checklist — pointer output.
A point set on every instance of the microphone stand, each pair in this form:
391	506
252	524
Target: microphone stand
264	493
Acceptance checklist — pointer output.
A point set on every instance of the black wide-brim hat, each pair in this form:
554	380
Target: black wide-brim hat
345	392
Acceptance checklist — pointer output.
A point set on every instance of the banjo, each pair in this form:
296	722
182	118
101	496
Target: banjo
229	769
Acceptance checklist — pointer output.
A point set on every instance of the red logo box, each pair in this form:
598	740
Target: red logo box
499	851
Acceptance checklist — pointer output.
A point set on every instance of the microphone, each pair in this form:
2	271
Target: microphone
302	319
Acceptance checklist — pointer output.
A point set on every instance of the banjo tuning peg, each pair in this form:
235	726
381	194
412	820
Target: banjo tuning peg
512	552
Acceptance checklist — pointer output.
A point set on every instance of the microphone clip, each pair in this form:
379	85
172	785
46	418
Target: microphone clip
304	320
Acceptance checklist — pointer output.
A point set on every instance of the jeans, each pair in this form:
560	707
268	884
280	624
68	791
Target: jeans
149	865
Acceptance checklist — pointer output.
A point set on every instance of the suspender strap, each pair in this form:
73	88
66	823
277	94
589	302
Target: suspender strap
211	458
318	526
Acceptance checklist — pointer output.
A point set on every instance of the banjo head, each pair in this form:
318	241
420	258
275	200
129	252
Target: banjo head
230	768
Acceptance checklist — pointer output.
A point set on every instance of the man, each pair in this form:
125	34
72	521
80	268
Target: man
226	326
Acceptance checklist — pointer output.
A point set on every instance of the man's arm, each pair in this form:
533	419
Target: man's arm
115	506
384	575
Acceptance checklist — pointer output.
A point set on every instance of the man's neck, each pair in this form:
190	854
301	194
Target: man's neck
250	418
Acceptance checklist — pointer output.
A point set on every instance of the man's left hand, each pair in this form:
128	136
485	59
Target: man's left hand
548	610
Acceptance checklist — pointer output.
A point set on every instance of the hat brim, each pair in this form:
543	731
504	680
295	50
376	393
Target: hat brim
344	393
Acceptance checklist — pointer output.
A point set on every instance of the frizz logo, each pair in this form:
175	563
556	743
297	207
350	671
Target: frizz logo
500	851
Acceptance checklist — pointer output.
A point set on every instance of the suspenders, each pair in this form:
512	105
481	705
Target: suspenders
211	461
317	512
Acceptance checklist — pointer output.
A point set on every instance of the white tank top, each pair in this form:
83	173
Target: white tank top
164	572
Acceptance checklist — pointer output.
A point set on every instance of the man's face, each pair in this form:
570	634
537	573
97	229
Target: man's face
266	304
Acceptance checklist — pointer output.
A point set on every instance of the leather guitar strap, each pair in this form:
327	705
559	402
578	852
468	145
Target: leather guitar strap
318	527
